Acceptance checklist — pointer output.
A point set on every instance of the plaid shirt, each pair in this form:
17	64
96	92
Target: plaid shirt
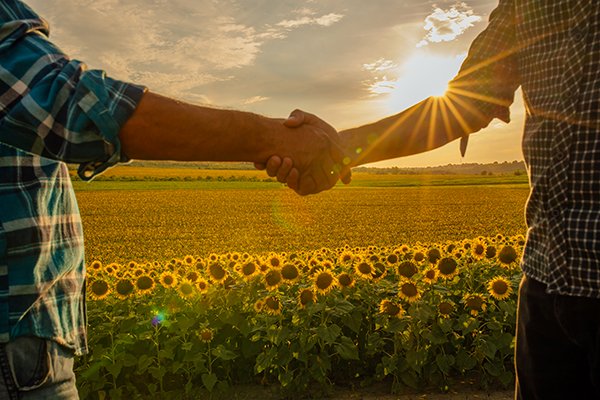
52	110
552	50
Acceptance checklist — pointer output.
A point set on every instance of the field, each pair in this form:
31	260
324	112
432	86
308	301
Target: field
203	282
159	220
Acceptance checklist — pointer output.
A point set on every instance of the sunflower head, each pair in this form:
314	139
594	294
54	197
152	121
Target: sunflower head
499	288
217	272
192	276
290	272
390	308
445	308
144	284
185	289
306	297
274	261
346	258
364	269
475	303
272	305
273	279
249	269
407	269
167	279
206	335
507	255
419	256
478	250
95	266
490	252
345	280
409	291
324	281
99	289
392	259
430	275
189	260
123	288
258	305
433	255
202	285
447	267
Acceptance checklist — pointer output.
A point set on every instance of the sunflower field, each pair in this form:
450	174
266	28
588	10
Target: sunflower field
415	316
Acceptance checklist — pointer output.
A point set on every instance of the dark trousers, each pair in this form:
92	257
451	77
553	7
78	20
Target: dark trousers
557	353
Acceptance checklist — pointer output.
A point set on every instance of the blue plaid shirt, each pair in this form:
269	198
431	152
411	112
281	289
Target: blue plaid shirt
52	110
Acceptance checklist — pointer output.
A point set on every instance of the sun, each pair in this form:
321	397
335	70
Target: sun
422	75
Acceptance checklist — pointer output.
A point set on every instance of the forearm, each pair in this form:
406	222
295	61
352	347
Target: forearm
425	126
165	129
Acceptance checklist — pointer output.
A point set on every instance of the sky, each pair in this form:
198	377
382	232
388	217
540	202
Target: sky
351	62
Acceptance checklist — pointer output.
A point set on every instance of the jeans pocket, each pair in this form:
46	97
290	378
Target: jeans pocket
29	362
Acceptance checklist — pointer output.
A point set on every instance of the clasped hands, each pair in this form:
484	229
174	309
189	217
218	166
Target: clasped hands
312	159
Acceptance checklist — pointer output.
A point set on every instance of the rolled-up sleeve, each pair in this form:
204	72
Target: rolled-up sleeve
488	78
55	107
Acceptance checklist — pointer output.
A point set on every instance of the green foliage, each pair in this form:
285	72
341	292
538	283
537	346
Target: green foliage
165	342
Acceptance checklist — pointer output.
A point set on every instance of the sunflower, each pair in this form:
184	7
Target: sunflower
123	288
216	272
345	280
430	275
202	285
137	271
447	267
306	297
445	308
192	275
490	252
258	305
212	257
475	303
346	258
248	270
419	256
406	269
274	261
390	308
289	272
235	256
324	282
409	292
206	335
379	271
478	250
99	289
189	260
507	255
433	255
272	305
273	279
364	270
185	289
392	259
111	269
95	267
144	284
499	288
167	279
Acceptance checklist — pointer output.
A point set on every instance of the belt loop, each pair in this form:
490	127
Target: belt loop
11	386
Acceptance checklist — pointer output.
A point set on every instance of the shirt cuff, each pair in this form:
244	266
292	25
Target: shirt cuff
108	103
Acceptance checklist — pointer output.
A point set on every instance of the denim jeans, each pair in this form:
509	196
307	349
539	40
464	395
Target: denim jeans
34	368
557	351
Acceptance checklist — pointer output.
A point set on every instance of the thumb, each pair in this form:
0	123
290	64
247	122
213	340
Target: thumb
295	119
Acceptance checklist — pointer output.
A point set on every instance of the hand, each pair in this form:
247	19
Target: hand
319	177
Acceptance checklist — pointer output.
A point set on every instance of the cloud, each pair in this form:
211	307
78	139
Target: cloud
172	47
254	99
325	20
380	65
446	25
382	85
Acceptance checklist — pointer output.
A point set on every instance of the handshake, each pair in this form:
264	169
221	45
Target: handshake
310	157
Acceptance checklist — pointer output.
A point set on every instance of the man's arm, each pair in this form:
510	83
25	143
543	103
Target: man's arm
162	128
